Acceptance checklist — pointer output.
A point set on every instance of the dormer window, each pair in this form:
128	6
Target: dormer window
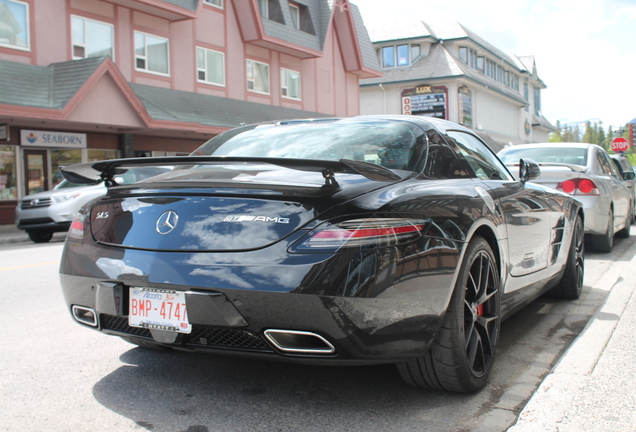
270	9
215	3
294	11
399	55
263	5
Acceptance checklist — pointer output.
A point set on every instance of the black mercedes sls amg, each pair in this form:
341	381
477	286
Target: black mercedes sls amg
371	239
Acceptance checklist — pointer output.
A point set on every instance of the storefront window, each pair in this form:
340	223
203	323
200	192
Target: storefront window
98	155
8	188
62	158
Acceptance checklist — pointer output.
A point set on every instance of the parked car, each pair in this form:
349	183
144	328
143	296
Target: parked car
44	213
363	240
629	175
586	172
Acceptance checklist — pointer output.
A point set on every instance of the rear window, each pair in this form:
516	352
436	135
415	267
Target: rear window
394	145
564	155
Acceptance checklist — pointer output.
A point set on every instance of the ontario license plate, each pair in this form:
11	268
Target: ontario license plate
158	309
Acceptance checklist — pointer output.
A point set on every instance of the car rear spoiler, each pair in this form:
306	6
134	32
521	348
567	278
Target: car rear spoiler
105	171
575	168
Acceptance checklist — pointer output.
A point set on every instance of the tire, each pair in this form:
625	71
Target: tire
40	236
143	343
603	243
624	233
571	284
461	357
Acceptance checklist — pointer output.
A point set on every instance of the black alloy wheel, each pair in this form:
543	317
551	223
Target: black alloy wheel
571	284
481	314
461	358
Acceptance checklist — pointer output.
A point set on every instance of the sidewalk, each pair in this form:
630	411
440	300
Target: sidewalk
593	386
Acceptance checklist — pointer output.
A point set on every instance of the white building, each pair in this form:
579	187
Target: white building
445	70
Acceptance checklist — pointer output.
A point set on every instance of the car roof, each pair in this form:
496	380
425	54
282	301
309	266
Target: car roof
552	144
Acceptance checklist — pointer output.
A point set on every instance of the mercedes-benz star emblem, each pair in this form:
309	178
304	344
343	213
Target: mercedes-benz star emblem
167	221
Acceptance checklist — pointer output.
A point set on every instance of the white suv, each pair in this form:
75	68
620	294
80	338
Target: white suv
44	213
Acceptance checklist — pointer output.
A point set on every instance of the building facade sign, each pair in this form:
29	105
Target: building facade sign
38	138
426	100
465	106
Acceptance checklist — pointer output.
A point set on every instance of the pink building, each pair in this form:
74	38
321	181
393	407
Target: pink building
84	80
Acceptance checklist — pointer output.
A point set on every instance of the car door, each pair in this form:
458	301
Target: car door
619	190
528	214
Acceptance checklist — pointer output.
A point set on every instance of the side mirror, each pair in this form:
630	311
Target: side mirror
528	170
629	175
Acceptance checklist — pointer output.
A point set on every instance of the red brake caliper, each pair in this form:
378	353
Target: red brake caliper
480	310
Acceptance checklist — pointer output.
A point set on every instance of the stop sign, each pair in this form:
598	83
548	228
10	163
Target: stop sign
620	144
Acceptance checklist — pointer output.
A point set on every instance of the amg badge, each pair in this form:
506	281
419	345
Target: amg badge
248	218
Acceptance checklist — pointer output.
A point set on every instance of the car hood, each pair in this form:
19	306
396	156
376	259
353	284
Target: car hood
224	207
65	191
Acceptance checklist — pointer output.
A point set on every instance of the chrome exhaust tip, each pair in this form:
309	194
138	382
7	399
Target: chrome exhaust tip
85	315
299	342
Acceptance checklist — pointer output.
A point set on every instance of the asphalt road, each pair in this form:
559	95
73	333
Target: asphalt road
59	376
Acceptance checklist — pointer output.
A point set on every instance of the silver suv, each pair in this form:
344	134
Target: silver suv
44	213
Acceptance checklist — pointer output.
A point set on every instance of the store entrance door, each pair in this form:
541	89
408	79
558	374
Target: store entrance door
35	171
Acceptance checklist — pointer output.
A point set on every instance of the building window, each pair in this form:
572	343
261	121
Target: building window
416	50
210	66
491	69
500	74
14	24
472	58
514	81
63	158
8	186
463	54
263	5
526	93
294	10
257	77
217	3
537	101
480	63
402	55
151	53
290	83
388	56
271	10
91	38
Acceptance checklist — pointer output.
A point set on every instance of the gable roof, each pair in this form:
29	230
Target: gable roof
441	64
54	91
400	30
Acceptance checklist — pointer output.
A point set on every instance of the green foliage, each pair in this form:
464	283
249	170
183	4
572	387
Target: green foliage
594	134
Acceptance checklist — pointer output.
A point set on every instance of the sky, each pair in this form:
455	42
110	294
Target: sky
585	50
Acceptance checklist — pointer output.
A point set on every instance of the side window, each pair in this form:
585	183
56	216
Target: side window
442	161
602	163
480	158
607	166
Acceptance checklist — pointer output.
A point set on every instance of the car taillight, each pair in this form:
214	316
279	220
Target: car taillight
361	233
79	225
579	186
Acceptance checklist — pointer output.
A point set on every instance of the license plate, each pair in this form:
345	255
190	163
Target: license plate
158	309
